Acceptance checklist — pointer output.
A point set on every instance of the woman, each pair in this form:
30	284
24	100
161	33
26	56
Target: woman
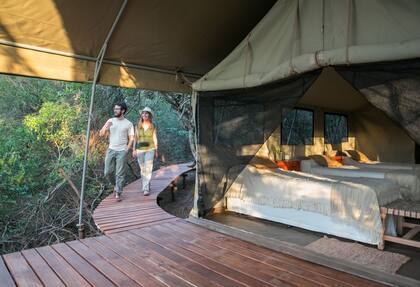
145	147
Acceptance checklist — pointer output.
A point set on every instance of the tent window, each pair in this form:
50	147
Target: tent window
236	124
335	128
297	127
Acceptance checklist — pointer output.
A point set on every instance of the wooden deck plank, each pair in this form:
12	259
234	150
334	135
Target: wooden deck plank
245	266
105	226
22	273
207	234
137	274
133	216
227	271
144	216
116	276
41	268
260	269
121	217
133	221
170	262
105	210
119	206
182	260
127	228
6	279
130	202
63	269
143	261
93	276
121	212
283	264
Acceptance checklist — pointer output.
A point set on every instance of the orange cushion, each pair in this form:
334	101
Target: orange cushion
289	164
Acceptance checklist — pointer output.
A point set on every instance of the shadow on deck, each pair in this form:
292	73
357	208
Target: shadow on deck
145	246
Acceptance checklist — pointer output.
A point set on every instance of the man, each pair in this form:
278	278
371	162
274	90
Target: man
121	137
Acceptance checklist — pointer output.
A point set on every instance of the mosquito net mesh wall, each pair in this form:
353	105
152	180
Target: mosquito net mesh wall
392	87
232	127
233	124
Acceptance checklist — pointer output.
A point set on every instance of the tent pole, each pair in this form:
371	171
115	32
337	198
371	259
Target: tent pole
194	103
98	65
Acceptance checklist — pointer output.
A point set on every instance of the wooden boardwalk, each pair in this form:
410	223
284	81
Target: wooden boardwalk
145	246
136	210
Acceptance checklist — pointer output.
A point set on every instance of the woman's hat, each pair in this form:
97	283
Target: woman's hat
147	109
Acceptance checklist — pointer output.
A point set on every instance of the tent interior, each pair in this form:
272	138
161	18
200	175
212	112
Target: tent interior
369	129
329	91
245	133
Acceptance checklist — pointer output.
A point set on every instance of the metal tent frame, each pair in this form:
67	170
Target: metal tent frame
98	64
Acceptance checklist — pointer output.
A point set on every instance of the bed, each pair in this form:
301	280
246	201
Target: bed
407	177
344	207
380	165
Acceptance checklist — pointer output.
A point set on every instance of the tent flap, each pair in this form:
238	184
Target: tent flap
300	36
232	127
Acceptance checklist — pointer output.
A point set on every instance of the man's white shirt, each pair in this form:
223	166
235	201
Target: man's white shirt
119	133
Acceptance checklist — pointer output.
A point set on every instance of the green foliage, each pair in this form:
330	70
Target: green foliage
20	158
21	96
42	128
56	123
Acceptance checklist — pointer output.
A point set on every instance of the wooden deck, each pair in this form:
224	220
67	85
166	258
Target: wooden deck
145	246
136	210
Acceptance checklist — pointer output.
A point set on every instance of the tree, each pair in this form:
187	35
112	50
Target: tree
55	123
182	104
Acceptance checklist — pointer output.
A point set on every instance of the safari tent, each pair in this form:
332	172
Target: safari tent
354	59
295	61
305	65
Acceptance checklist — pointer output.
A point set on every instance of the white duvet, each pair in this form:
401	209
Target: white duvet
380	165
352	202
407	177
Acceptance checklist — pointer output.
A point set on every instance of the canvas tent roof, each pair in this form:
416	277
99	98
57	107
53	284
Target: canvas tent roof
153	39
300	36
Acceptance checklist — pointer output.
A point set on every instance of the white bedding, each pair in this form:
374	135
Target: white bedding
299	218
379	165
408	181
350	203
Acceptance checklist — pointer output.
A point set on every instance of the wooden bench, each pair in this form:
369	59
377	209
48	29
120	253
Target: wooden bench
174	184
401	209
